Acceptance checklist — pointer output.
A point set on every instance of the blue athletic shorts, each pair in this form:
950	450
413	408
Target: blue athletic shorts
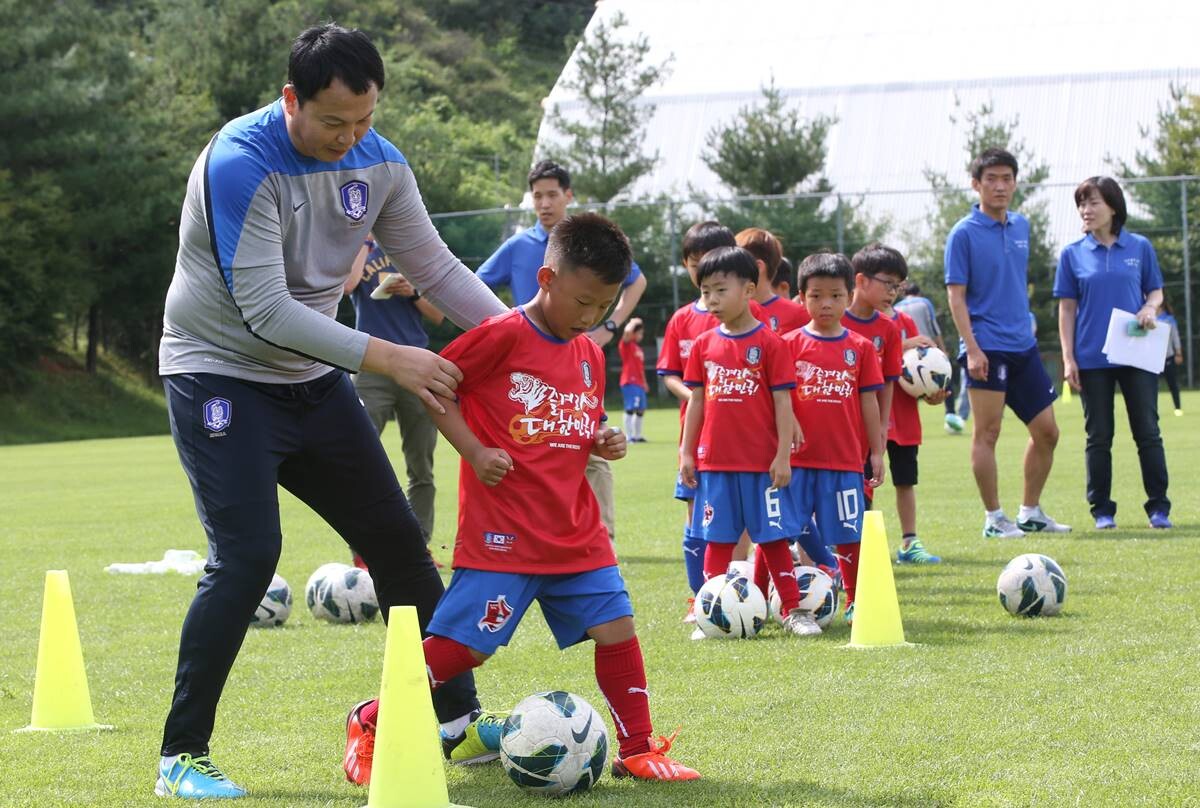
1020	376
481	608
635	397
833	498
728	502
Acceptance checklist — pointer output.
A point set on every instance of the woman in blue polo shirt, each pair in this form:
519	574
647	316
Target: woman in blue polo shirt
1110	268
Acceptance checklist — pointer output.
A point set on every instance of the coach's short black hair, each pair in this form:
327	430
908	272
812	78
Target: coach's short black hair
549	170
910	289
784	273
735	261
875	258
826	265
990	158
326	52
590	241
1112	195
704	236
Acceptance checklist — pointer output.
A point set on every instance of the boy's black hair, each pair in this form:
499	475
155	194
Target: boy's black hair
549	170
590	241
735	261
911	289
990	158
1112	195
875	258
826	265
704	236
323	53
784	274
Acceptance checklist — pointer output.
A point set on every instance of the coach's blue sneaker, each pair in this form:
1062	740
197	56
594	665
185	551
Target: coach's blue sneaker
479	743
1105	522
1159	520
913	552
194	778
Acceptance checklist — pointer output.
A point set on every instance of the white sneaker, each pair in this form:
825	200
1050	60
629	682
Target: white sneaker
1001	528
698	634
801	623
1036	521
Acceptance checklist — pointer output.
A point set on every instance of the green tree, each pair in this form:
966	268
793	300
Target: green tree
604	144
984	130
770	149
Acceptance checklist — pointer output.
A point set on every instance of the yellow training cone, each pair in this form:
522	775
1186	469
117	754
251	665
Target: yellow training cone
60	690
876	610
1066	394
407	770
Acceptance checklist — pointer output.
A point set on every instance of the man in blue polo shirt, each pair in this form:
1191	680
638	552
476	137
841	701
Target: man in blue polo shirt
987	261
515	265
395	314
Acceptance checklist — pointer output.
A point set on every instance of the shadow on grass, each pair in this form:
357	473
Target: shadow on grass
629	559
481	789
958	632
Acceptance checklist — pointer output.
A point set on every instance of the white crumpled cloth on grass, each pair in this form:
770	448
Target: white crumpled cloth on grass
185	562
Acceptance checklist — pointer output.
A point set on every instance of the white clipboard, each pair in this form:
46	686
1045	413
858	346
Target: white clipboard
1148	353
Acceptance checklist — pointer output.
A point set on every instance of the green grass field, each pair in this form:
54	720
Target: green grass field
1097	707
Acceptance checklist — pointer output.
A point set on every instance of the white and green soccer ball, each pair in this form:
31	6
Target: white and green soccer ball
1032	585
340	593
554	743
730	606
817	595
275	606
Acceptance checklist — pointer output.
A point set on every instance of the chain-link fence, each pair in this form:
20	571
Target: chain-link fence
1164	209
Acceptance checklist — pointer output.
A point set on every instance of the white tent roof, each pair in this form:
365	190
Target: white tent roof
1082	87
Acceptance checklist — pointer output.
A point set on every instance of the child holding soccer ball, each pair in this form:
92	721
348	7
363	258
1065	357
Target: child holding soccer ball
529	410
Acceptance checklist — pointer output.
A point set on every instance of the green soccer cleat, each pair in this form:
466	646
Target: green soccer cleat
479	743
913	552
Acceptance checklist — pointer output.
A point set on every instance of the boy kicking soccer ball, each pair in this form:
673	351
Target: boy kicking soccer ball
528	413
740	378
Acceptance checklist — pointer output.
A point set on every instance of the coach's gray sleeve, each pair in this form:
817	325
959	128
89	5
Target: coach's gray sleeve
409	238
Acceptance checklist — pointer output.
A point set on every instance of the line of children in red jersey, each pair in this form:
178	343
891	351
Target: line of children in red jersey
528	411
633	378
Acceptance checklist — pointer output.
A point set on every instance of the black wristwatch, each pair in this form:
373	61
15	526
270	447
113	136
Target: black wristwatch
415	296
610	326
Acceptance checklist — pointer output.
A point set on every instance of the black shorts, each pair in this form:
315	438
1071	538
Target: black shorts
902	463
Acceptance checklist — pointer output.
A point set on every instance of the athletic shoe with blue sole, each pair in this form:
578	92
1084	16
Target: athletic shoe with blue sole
479	743
194	778
915	553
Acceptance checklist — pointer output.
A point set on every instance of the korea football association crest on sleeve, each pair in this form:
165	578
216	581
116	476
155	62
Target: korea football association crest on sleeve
218	413
850	356
585	369
355	197
877	341
495	614
753	355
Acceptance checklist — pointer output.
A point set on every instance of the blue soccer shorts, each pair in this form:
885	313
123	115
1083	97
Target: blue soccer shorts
634	396
481	608
729	502
1022	378
833	498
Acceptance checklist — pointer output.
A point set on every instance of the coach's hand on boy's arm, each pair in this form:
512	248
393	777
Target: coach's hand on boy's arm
490	464
415	369
610	444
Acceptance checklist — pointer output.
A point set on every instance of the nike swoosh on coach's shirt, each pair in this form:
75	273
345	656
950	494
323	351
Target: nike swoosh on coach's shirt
580	737
297	207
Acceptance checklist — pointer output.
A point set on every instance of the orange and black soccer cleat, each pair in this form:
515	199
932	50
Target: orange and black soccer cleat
360	747
654	765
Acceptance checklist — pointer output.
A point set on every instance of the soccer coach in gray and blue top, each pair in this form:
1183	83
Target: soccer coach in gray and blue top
255	366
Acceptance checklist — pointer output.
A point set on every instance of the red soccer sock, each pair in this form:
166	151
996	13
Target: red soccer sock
716	559
778	560
848	563
444	659
621	674
762	570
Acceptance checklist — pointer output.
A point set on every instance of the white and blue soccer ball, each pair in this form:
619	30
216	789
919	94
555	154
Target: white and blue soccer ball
817	595
1031	585
730	606
554	743
340	593
925	371
275	606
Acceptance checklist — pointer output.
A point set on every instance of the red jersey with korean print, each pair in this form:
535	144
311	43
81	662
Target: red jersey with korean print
832	373
783	315
884	335
541	400
633	363
738	374
904	423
